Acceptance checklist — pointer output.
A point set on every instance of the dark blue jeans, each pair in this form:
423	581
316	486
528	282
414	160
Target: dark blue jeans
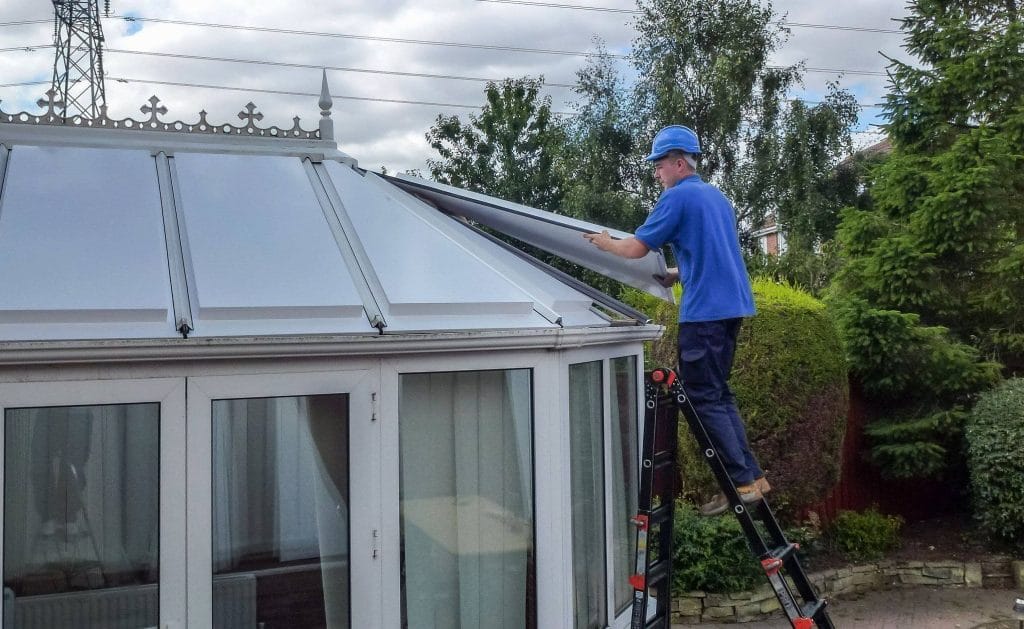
706	350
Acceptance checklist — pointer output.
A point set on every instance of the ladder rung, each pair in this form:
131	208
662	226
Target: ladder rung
658	621
813	608
658	570
783	552
661	514
663	457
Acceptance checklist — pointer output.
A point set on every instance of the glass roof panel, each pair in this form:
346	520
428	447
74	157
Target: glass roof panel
428	277
263	256
81	246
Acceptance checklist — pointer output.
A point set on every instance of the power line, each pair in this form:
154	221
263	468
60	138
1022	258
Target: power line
23	22
339	96
312	94
394	40
579	7
453	77
440	43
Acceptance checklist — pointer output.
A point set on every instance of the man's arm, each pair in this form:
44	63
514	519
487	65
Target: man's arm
624	248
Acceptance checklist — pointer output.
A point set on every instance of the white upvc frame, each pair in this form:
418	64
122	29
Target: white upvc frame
548	548
366	601
170	394
605	354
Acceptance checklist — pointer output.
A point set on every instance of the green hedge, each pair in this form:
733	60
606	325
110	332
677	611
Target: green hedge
865	535
995	451
791	385
710	554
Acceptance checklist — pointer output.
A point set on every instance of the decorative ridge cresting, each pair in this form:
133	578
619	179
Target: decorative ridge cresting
250	116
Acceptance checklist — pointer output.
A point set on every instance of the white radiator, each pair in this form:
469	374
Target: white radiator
234	601
113	608
135	607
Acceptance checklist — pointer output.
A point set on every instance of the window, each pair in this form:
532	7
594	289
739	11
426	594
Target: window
625	476
81	516
280	512
604	486
586	461
467	500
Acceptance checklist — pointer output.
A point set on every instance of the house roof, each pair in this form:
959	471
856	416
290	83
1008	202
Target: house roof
112	230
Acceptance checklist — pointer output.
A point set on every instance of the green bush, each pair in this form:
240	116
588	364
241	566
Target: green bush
791	386
710	554
866	535
995	443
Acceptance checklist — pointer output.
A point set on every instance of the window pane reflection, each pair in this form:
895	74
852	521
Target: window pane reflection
625	481
280	512
467	500
586	462
81	517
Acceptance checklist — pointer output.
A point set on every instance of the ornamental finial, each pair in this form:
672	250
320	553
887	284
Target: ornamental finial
326	124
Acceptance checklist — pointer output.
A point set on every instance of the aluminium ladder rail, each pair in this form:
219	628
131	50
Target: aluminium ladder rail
777	555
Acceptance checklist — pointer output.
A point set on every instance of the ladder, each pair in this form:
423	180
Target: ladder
777	555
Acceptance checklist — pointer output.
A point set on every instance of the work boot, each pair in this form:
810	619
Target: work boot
719	504
762	485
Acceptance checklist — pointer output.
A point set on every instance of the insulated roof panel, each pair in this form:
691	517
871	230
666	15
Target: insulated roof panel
263	258
430	280
554	233
82	250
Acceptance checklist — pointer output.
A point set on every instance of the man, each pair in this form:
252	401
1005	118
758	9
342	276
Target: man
699	223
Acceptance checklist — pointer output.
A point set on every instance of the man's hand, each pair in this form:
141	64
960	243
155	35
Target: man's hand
669	279
602	241
625	247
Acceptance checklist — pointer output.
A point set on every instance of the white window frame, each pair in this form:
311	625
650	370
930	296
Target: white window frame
546	458
605	354
367	600
170	394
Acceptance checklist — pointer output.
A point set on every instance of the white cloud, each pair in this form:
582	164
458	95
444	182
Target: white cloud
382	133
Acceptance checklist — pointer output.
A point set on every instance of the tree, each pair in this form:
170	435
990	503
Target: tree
933	289
597	162
812	189
705	65
508	151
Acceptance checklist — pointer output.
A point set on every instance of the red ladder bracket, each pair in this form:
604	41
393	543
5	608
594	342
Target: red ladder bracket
803	623
663	377
640	522
771	566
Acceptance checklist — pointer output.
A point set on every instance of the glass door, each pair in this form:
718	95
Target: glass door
94	498
283	501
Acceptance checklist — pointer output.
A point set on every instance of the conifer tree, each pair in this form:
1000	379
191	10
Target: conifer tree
932	294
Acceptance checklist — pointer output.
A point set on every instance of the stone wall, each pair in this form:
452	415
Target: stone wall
1002	572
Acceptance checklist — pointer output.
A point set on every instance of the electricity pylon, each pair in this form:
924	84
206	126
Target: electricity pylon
78	64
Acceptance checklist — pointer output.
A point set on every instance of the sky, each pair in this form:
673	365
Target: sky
383	132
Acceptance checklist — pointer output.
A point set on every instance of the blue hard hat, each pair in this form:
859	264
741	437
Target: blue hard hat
675	137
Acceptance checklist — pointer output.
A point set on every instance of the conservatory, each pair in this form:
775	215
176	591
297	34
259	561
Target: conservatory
245	383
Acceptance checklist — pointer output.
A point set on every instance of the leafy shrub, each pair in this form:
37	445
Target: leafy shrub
791	386
995	438
710	554
865	535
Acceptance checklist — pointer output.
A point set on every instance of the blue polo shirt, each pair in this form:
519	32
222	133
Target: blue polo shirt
699	223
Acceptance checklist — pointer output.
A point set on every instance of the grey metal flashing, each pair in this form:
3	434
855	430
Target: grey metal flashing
554	233
432	217
47	353
371	292
4	158
174	237
605	300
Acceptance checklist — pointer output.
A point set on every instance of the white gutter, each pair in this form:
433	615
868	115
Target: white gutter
173	349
